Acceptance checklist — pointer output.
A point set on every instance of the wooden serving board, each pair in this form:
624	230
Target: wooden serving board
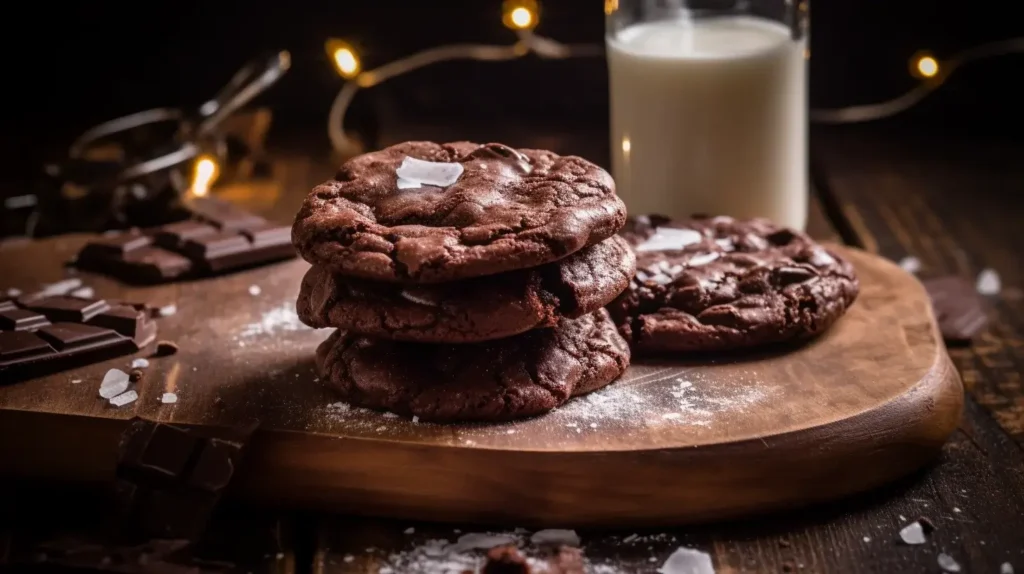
676	440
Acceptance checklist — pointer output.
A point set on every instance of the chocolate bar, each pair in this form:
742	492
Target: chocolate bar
169	478
958	309
43	333
219	238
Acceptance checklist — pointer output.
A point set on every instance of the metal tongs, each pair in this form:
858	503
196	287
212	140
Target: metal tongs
195	130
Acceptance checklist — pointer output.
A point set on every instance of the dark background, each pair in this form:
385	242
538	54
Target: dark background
78	63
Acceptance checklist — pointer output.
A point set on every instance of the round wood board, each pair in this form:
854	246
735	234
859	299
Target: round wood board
676	440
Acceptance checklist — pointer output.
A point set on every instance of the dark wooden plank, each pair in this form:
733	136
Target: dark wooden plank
974	495
36	535
957	207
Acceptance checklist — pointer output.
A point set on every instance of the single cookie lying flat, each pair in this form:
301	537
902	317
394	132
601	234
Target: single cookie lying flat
710	284
471	310
511	378
507	210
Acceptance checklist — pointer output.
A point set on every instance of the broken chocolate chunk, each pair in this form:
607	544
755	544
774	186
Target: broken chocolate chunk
958	309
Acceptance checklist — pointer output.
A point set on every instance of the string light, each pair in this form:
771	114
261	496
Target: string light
522	16
924	65
344	58
205	173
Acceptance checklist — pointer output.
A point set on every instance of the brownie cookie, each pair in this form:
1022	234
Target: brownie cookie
508	209
517	377
710	284
471	310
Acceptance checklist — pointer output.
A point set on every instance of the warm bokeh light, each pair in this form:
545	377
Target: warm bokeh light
626	145
610	6
927	66
205	173
344	57
519	14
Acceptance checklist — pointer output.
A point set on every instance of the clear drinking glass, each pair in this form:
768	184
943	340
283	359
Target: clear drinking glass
709	107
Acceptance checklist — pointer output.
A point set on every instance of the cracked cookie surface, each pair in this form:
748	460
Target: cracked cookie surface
521	376
471	310
510	209
712	284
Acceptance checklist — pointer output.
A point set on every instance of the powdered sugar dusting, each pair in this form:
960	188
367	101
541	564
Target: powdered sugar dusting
680	401
282	318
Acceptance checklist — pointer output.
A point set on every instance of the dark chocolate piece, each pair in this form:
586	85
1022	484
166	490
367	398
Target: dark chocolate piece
171	477
43	334
958	309
221	237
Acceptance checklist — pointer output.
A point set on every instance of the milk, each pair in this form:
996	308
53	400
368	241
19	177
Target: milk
710	116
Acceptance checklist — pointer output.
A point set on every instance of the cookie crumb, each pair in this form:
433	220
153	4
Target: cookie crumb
505	560
947	563
166	348
135	375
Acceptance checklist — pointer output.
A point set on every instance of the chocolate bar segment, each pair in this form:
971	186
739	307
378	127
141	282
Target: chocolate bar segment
43	334
220	237
170	477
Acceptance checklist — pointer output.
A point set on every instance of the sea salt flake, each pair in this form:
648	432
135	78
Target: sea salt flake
167	310
1006	568
947	563
168	398
410	530
556	537
867	539
140	363
630	538
255	290
910	264
61	287
417	173
669	239
702	259
913	533
114	383
124	398
348	558
480	541
955	509
988	282
688	561
75	381
12	292
415	419
83	293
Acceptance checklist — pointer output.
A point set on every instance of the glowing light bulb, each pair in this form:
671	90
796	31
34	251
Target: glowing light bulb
345	58
205	174
927	66
520	14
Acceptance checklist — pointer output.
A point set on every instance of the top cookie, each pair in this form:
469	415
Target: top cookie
712	284
509	209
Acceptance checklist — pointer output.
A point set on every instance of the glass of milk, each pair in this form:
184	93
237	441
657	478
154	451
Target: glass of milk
709	107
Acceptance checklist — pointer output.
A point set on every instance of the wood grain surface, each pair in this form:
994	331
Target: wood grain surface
705	437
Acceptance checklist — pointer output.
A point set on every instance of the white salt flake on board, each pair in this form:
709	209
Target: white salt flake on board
688	561
702	259
255	290
913	533
140	363
417	173
75	381
669	239
169	398
12	292
167	310
988	282
415	420
481	541
947	563
555	537
61	287
83	293
910	264
124	398
114	383
1006	568
410	530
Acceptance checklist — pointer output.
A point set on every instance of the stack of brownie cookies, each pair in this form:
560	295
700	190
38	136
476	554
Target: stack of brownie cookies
465	281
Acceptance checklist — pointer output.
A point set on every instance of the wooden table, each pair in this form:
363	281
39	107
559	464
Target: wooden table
956	207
